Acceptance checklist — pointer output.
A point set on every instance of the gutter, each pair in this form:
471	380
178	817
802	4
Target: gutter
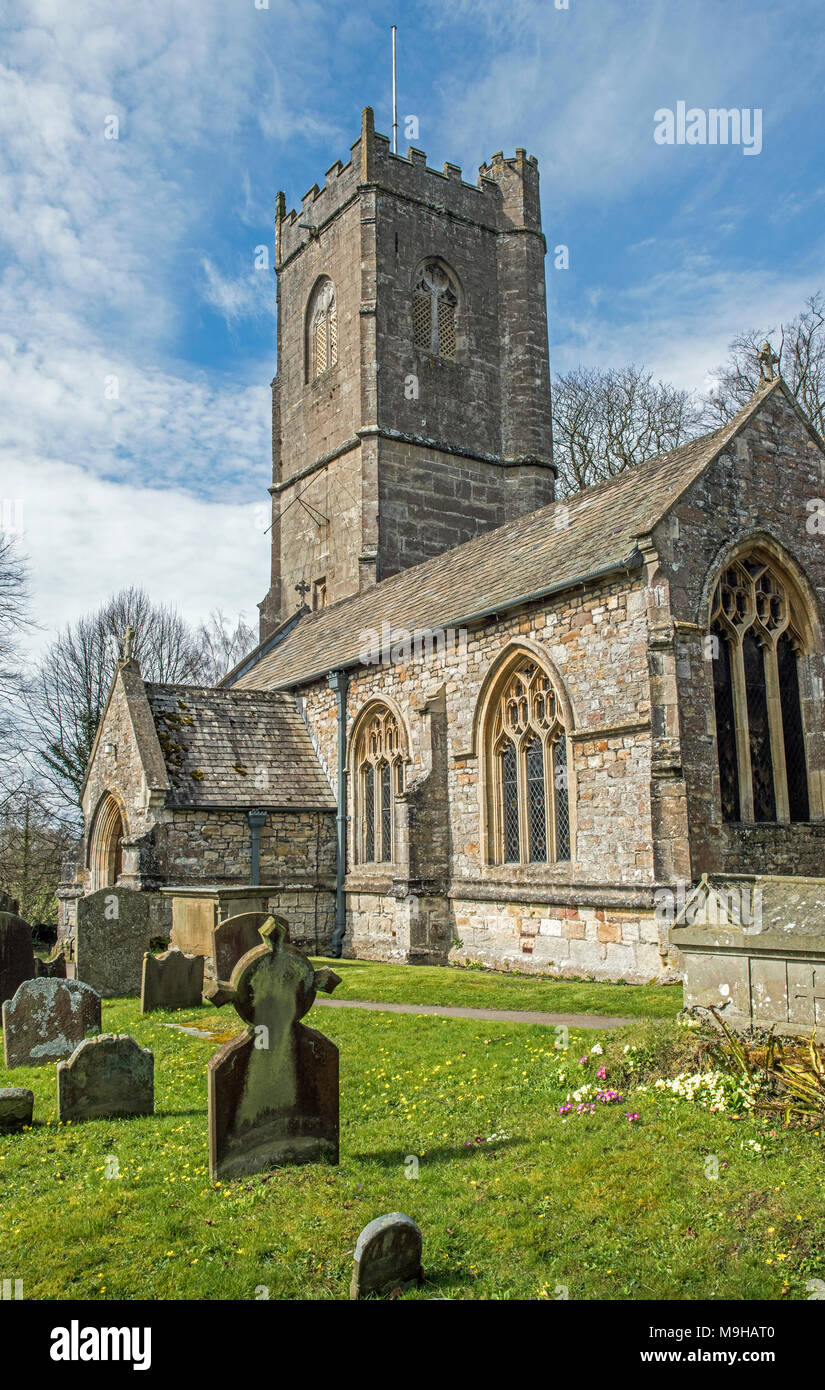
338	681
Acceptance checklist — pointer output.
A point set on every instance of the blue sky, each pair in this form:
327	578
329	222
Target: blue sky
132	260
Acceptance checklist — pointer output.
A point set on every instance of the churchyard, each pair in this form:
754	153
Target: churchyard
523	1184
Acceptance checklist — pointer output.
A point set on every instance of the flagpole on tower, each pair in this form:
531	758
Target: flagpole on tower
394	99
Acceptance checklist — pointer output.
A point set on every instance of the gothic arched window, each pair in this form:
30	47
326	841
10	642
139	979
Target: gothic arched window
322	329
378	765
526	761
756	640
434	309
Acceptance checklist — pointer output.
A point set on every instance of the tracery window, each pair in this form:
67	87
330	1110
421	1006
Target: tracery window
379	770
322	329
434	307
756	642
527	765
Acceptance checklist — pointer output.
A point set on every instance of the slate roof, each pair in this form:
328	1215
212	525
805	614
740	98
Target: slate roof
227	735
568	542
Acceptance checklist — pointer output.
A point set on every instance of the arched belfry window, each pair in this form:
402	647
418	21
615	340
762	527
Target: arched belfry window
434	309
378	766
322	329
756	641
527	792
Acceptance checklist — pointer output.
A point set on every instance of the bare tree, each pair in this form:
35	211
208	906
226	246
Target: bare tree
801	351
69	690
33	845
14	620
222	646
607	421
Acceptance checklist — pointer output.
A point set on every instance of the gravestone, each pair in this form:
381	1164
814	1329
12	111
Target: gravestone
233	937
273	1091
16	953
754	945
46	1020
16	1108
387	1256
172	980
113	933
54	966
108	1075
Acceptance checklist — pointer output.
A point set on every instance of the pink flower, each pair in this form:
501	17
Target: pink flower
632	1115
602	1073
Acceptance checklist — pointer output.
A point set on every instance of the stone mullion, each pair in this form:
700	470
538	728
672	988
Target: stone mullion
777	733
550	800
741	726
523	817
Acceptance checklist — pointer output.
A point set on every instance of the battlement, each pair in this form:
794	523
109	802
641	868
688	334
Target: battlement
504	196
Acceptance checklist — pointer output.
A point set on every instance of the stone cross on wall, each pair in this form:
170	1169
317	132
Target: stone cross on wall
273	1091
303	589
807	994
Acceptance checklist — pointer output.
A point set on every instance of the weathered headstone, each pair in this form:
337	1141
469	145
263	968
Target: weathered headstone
387	1256
233	937
54	966
108	1075
46	1020
113	933
192	922
16	1108
273	1091
16	954
172	980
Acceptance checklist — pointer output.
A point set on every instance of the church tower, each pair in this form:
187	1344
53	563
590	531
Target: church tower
411	406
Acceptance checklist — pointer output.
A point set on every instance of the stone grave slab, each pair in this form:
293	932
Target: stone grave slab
46	1020
16	1108
172	980
387	1256
754	946
113	932
107	1075
273	1091
16	954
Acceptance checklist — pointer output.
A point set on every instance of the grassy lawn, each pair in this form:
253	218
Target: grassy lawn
514	1200
482	989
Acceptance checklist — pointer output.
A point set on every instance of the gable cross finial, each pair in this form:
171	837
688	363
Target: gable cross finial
128	642
302	588
767	361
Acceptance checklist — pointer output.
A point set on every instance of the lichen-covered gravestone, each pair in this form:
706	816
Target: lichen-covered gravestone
172	980
233	937
109	1075
273	1091
16	1108
387	1256
46	1020
112	935
16	953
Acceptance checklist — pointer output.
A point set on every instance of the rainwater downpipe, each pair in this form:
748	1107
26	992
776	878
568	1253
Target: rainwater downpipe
257	819
338	681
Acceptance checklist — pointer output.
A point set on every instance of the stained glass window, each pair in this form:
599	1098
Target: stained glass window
795	769
378	754
756	636
369	814
528	760
509	784
386	812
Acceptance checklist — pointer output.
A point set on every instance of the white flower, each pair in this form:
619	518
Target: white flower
597	1050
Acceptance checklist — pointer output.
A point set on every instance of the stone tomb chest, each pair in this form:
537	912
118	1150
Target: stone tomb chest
756	944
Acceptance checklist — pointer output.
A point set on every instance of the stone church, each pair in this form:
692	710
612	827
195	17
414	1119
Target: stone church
481	725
